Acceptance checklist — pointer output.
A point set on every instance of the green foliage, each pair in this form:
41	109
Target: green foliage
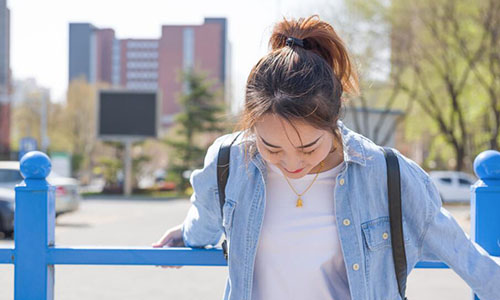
201	113
76	161
110	167
137	165
443	45
444	67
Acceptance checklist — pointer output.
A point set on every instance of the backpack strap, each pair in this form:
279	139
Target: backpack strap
395	217
222	175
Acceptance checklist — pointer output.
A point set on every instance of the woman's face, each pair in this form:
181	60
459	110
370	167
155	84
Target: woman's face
279	144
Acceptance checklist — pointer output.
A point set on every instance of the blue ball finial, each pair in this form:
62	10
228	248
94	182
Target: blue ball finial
35	165
487	165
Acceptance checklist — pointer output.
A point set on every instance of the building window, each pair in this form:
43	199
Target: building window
142	54
142	65
115	64
188	48
142	45
142	75
142	85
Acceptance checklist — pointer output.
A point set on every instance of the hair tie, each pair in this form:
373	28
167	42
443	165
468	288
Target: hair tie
295	41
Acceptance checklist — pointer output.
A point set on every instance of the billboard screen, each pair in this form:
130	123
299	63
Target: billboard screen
127	114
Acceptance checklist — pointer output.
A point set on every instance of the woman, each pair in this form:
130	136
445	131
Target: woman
306	209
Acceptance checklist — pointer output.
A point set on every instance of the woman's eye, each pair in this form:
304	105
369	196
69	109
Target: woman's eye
276	152
310	152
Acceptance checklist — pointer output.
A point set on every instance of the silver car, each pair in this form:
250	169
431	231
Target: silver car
453	186
67	189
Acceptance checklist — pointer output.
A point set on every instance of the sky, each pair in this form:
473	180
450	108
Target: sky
39	30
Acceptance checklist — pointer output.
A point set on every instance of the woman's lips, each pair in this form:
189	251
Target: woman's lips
296	171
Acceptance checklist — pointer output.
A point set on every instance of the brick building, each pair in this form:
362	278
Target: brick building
5	79
151	64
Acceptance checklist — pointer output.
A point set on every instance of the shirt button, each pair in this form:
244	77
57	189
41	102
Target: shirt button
346	222
342	181
355	267
385	236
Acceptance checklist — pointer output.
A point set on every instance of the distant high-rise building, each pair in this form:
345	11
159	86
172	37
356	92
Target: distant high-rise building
151	64
5	78
82	51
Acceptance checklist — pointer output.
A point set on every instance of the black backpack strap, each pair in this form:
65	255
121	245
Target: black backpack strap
396	220
222	175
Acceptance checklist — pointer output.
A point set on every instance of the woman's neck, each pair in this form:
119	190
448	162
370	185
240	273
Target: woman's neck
331	161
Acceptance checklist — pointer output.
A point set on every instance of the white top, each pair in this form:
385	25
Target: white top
299	254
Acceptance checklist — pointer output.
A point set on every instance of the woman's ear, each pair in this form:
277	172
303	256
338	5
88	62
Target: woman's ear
335	143
333	148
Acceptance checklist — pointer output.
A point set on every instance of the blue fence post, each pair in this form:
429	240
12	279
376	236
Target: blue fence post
34	229
485	203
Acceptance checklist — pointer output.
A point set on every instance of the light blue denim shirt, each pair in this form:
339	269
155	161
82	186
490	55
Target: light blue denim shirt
361	210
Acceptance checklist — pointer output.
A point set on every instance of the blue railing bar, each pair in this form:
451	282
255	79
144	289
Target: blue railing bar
179	256
6	255
431	265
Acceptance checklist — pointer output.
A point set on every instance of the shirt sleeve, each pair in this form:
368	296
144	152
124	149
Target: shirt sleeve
202	225
444	240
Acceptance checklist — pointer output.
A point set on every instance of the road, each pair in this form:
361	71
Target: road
121	222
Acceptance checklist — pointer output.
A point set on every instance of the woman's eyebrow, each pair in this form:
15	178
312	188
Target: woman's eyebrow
304	146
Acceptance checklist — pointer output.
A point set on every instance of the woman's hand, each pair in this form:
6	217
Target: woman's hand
171	238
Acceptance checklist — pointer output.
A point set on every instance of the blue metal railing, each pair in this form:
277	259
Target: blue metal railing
35	253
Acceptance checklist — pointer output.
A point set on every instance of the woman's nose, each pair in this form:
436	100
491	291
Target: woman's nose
292	165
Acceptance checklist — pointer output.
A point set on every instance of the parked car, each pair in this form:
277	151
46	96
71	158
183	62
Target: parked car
453	186
7	207
67	189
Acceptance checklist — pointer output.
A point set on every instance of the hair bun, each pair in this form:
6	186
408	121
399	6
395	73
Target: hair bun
319	37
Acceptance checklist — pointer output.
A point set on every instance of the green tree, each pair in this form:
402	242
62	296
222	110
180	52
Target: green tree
79	125
202	111
429	39
111	165
444	70
485	65
365	26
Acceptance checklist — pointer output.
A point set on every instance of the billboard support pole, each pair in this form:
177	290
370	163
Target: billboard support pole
119	119
128	168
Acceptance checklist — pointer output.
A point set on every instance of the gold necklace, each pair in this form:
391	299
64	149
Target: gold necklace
299	199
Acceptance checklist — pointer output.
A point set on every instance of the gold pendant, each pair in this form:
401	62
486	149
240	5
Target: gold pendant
299	202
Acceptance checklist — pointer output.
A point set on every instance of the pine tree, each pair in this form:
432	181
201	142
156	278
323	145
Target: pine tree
201	110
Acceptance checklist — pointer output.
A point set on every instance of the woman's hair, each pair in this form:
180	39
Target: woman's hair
300	83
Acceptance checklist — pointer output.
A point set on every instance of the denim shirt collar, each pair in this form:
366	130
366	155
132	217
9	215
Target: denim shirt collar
353	149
